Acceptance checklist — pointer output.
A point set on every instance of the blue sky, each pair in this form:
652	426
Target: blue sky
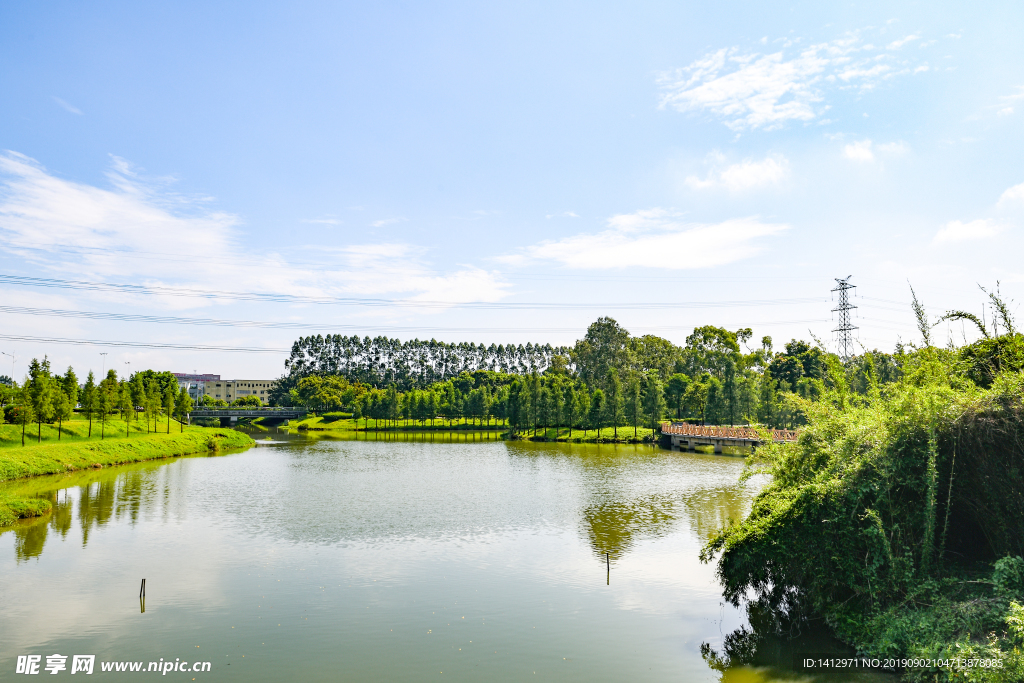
668	164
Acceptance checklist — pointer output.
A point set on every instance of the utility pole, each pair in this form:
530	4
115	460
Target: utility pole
104	372
13	361
844	339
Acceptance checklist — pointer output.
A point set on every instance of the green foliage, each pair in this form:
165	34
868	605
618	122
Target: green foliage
880	516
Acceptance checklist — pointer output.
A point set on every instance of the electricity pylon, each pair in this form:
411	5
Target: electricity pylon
843	337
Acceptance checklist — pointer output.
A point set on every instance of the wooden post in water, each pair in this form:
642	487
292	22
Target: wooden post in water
142	589
608	564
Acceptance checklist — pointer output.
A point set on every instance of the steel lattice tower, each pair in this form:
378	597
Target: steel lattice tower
846	326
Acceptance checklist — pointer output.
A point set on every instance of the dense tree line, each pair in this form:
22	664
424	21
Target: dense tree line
381	362
609	378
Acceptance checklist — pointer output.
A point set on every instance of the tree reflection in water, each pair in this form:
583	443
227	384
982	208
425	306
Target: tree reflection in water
771	647
111	497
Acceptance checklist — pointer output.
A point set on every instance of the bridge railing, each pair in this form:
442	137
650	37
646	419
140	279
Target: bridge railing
739	433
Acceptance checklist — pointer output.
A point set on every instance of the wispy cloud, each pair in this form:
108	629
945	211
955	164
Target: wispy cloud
323	221
140	231
750	90
745	175
1012	194
864	150
654	238
387	221
68	107
562	214
897	44
958	231
1006	102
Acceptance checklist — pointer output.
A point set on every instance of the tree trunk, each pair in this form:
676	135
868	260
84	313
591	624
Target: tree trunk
60	423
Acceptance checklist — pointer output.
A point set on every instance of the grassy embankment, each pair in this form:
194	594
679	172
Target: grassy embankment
342	422
76	451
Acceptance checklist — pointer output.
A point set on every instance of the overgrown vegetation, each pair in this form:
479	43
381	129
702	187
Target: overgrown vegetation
897	517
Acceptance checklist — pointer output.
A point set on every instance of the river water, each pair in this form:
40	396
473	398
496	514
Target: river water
383	561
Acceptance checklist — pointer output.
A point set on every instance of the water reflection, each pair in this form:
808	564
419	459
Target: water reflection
613	527
91	498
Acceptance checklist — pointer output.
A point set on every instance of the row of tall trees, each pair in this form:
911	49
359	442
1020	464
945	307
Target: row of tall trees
48	398
716	377
380	362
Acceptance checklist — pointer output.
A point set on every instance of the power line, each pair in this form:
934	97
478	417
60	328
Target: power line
155	290
141	345
173	320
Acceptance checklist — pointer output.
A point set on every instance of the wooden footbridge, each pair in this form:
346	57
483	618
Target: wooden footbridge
689	436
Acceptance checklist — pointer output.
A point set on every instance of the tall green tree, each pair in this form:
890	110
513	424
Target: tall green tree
570	405
676	390
183	407
23	414
89	399
654	403
730	394
606	345
544	408
124	404
61	410
696	398
139	395
597	411
715	407
41	393
169	395
634	406
69	383
613	400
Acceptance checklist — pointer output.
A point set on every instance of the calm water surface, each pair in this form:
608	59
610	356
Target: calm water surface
383	561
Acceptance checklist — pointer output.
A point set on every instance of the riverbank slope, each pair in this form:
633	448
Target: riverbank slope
56	458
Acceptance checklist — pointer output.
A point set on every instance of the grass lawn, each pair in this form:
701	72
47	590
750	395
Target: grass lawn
76	430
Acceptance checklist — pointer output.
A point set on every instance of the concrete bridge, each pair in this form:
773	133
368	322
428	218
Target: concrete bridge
688	436
232	414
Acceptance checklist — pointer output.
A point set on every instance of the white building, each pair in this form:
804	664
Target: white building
224	390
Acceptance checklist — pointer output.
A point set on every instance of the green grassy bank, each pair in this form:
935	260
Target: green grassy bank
58	458
343	423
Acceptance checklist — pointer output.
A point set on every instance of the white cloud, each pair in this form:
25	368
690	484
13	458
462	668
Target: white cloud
864	150
894	148
859	151
752	90
387	221
68	107
562	214
323	221
897	44
1005	111
139	231
958	231
655	238
747	174
1013	194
